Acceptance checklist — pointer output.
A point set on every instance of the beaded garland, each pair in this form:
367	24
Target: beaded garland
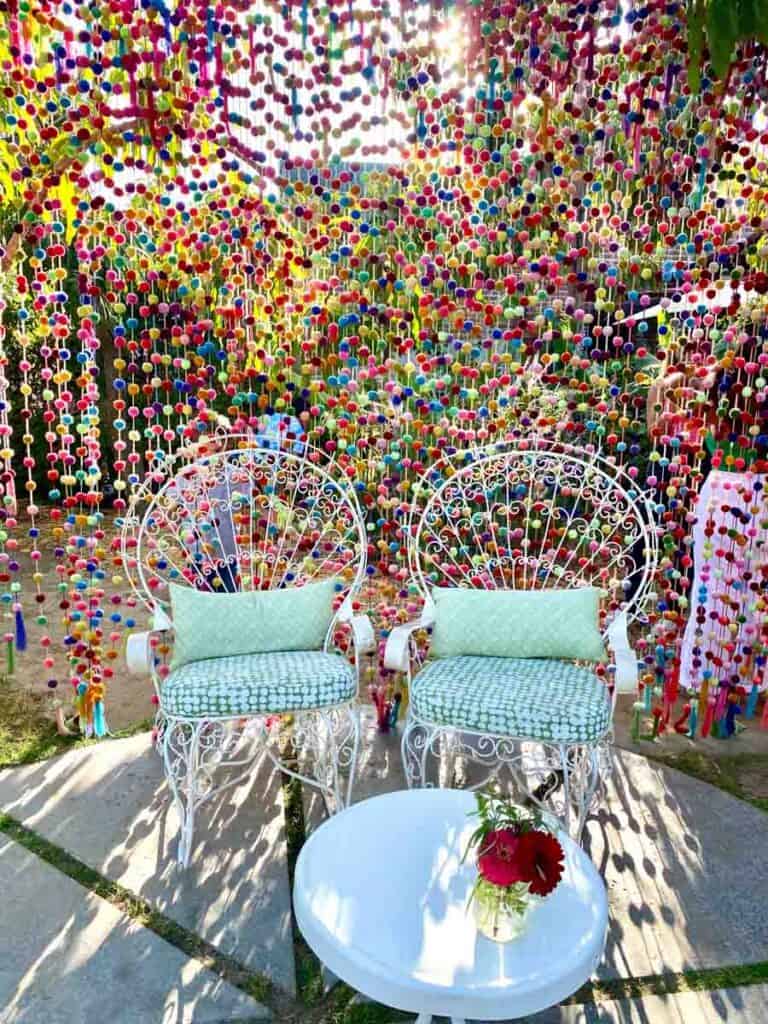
418	226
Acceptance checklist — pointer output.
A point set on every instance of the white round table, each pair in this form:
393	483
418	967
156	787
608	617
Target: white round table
380	895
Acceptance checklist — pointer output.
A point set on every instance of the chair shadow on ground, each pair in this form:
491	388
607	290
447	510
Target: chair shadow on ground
683	883
113	811
681	879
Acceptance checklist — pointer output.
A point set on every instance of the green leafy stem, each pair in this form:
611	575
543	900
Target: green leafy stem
722	25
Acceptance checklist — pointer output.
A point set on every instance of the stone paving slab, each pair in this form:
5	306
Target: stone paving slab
685	866
109	806
69	957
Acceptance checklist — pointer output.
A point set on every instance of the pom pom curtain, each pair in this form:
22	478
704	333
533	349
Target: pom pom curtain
402	228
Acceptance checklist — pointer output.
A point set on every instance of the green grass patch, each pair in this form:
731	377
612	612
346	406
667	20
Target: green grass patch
27	734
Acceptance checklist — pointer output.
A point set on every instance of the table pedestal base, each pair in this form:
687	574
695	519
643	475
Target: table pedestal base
426	1018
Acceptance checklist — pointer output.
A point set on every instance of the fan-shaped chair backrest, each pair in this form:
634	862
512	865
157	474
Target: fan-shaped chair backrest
533	516
254	515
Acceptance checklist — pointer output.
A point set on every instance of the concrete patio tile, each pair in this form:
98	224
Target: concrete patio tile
109	806
684	864
70	957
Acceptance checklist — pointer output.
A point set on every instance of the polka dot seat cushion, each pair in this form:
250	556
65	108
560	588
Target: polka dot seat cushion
532	698
255	684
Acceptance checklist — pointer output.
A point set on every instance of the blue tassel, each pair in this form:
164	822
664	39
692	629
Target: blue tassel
99	723
394	711
21	632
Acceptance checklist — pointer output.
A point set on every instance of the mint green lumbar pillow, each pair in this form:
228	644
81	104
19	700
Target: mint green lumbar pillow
517	623
208	625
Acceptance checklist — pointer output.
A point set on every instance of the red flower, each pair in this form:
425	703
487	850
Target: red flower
503	860
544	855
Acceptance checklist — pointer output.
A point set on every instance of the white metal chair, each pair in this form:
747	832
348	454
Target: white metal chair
525	516
249	513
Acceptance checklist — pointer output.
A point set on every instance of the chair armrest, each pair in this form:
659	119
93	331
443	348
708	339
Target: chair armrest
138	649
624	658
138	654
362	634
397	652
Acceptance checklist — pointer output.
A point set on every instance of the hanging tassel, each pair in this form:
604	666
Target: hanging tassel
647	698
394	711
722	702
99	722
21	629
693	721
95	700
751	707
708	717
680	725
637	710
704	696
728	727
9	641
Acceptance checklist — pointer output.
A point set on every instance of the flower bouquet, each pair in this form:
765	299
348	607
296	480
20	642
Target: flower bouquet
518	861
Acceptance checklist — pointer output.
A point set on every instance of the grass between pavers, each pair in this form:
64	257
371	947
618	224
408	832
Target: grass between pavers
28	735
704	979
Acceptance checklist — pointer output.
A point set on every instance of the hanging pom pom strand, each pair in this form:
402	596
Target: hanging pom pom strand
10	641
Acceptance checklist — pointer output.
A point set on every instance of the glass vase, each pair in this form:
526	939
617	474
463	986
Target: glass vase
500	915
